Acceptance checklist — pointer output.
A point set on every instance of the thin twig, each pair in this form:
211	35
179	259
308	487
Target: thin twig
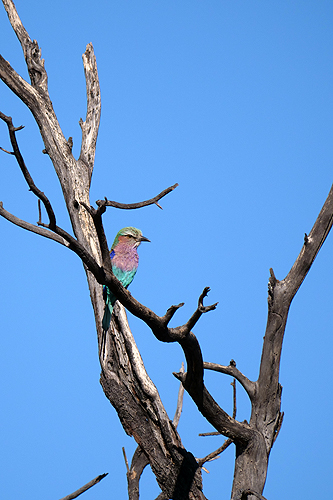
85	487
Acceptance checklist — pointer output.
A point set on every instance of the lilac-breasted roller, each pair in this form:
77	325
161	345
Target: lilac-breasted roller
124	261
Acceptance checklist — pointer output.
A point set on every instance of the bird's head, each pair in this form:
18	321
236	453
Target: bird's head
129	235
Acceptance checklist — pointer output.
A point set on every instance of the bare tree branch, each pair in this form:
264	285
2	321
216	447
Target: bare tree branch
85	487
131	206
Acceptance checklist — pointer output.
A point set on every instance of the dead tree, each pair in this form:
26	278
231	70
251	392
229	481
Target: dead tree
123	376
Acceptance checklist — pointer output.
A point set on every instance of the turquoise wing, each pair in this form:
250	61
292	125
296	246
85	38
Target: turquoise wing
125	278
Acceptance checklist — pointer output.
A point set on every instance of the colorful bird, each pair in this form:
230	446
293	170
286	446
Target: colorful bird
124	261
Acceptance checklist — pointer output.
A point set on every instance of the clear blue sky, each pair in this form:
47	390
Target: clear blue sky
232	100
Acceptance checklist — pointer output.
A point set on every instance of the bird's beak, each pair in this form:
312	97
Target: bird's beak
143	238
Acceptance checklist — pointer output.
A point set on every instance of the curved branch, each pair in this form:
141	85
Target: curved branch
131	206
249	386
